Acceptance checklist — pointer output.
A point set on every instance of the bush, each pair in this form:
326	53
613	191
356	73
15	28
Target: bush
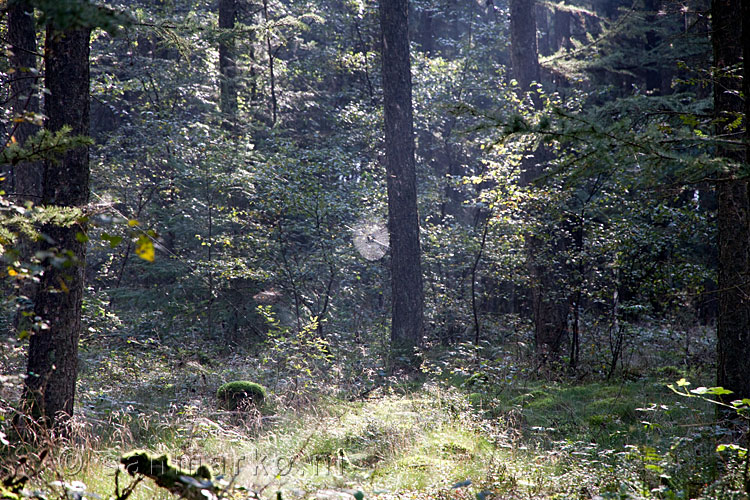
241	392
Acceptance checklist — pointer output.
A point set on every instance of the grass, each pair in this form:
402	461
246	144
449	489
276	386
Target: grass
503	439
568	442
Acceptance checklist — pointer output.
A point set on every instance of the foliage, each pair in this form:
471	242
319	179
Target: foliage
221	248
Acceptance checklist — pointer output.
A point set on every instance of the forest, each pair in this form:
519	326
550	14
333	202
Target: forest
374	249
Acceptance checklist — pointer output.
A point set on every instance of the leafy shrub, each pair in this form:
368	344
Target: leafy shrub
234	394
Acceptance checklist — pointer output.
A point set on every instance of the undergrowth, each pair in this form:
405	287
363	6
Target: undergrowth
470	427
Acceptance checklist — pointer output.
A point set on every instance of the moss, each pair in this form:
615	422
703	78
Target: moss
190	485
233	394
454	449
476	399
8	494
11	487
530	397
670	373
616	407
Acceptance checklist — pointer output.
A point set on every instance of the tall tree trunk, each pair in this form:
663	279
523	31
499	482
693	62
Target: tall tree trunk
653	75
562	29
24	180
403	220
733	326
425	35
548	307
523	45
543	26
53	351
271	74
227	60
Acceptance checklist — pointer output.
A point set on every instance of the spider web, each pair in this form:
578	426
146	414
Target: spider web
370	238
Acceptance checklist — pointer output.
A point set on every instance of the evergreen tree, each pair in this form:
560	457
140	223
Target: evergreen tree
403	220
53	350
733	327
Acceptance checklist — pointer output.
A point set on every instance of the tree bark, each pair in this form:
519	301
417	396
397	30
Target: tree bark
425	36
543	26
53	352
24	180
227	60
403	220
271	73
733	325
654	76
523	45
548	308
562	29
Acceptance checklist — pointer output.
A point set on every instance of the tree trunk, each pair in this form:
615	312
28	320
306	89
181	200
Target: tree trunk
548	308
24	180
425	36
562	29
653	71
53	351
227	60
733	326
271	73
523	45
403	220
543	26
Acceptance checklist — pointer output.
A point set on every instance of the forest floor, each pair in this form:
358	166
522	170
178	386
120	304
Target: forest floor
451	438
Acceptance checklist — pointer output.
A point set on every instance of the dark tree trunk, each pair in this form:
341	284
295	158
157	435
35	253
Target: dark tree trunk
543	26
562	29
548	307
733	326
425	32
24	180
53	352
653	77
271	71
227	59
403	220
523	45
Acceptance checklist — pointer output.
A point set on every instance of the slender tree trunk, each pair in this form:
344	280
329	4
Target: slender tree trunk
363	50
562	29
733	326
425	36
548	307
271	74
403	220
24	180
53	351
227	60
543	25
653	73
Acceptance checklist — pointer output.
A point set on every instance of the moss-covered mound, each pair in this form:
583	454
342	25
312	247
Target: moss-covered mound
240	393
197	485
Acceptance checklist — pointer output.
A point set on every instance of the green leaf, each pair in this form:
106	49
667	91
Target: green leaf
717	391
112	240
741	452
